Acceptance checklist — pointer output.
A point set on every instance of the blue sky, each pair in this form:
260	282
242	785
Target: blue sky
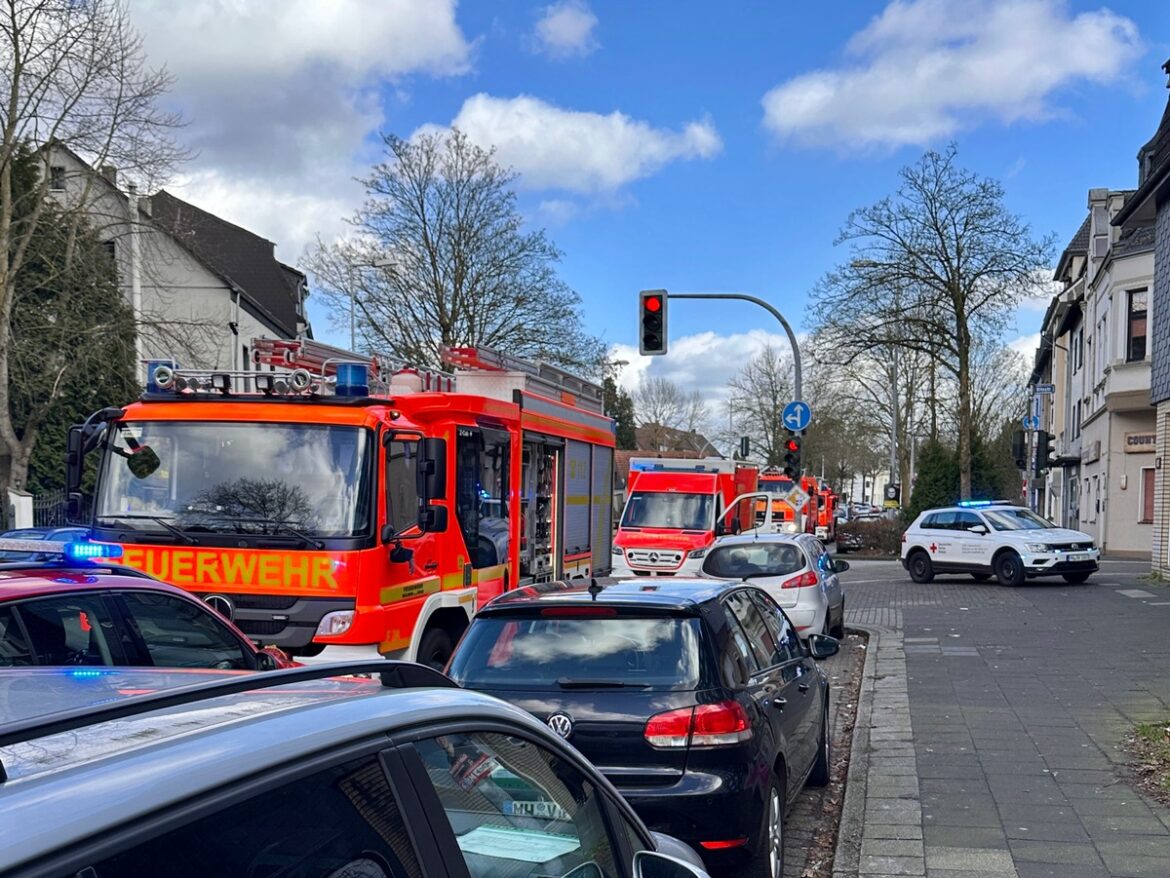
701	183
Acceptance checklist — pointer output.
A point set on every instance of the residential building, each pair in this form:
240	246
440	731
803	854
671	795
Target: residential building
1094	347
201	288
1150	205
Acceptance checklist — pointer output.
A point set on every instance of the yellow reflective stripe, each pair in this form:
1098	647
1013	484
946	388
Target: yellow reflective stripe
418	588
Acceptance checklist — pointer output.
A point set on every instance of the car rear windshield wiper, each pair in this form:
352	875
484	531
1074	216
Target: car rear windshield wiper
569	683
162	522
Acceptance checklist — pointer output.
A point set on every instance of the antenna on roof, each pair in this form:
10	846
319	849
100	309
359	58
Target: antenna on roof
594	588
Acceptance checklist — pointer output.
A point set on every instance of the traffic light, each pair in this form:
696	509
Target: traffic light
745	447
792	455
1020	449
652	317
1045	453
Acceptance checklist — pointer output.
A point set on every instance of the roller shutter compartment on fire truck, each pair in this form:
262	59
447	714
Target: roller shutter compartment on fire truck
578	485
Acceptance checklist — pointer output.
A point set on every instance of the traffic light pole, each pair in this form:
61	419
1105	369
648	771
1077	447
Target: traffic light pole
743	297
767	307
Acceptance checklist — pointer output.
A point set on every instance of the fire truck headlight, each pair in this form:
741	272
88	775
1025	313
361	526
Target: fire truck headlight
699	553
790	527
335	623
617	552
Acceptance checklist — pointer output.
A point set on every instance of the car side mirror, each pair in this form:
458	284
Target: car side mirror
265	662
821	646
651	864
977	529
840	566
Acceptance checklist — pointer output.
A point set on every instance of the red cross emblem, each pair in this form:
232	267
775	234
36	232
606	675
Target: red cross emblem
933	548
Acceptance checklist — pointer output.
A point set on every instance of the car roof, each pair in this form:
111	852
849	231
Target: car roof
982	507
21	580
685	594
747	539
69	786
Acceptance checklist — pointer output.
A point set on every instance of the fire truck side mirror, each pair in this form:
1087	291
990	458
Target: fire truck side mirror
432	470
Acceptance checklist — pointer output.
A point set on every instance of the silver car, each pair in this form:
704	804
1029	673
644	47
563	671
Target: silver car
795	569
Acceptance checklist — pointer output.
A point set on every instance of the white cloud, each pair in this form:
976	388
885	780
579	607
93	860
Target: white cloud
283	95
924	69
1026	345
577	151
704	362
566	29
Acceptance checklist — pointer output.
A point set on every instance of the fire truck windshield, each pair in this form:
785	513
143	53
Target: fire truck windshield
669	510
238	478
776	486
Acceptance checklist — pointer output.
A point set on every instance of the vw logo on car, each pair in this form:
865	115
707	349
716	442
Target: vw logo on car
561	724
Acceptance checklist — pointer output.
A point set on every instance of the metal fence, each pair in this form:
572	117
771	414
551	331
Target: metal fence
49	509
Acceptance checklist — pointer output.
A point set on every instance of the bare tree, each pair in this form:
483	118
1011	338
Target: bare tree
932	267
759	393
441	258
73	76
662	408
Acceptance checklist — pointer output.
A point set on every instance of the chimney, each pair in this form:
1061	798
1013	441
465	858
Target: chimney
110	173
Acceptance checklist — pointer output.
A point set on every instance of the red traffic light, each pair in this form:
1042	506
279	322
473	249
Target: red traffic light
652	304
792	445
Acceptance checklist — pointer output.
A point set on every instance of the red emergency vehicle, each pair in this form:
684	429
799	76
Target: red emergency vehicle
320	499
817	512
674	510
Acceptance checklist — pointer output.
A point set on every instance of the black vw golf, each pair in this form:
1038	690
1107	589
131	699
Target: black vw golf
695	697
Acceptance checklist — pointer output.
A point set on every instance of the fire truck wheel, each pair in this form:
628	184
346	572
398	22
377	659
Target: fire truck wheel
435	648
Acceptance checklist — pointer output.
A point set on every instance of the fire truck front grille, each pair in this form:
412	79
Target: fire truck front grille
260	627
655	559
263	601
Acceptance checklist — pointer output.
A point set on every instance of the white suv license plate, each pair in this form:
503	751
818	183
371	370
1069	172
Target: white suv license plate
1078	556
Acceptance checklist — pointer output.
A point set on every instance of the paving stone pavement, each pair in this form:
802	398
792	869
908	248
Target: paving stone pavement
993	748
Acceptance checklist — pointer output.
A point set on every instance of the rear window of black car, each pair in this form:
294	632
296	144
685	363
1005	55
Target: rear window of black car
547	652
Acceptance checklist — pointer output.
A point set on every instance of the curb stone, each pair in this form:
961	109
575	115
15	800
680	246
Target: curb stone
847	858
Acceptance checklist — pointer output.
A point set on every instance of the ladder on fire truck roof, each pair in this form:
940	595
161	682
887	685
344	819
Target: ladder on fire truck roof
541	378
322	359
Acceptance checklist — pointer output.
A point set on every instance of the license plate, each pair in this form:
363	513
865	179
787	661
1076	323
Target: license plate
543	809
1078	556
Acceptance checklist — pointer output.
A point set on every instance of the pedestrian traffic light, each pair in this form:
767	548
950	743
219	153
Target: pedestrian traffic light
1045	452
1020	449
652	317
792	455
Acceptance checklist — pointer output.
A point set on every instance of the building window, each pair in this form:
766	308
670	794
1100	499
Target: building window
1078	347
57	178
1135	347
111	249
1147	499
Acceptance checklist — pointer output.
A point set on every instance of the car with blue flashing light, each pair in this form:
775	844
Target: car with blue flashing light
985	538
76	606
123	772
695	697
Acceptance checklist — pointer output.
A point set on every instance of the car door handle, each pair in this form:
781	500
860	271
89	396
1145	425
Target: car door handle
780	702
803	687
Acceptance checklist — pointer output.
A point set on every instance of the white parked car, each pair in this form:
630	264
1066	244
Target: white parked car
795	569
985	539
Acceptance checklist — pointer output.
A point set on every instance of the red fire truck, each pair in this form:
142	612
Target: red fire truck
321	499
817	511
674	510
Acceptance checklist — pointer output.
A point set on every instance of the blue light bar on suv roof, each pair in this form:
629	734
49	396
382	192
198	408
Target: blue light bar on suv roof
967	504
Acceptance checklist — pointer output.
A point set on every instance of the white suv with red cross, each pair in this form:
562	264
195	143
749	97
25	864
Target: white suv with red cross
985	538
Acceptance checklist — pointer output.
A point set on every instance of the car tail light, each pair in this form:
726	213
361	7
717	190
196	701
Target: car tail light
805	580
723	845
903	537
708	725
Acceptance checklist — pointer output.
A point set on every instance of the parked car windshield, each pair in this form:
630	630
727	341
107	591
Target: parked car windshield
668	510
1016	519
754	559
661	652
249	478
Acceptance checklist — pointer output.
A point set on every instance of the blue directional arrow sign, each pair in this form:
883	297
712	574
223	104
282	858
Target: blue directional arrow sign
797	416
1031	422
